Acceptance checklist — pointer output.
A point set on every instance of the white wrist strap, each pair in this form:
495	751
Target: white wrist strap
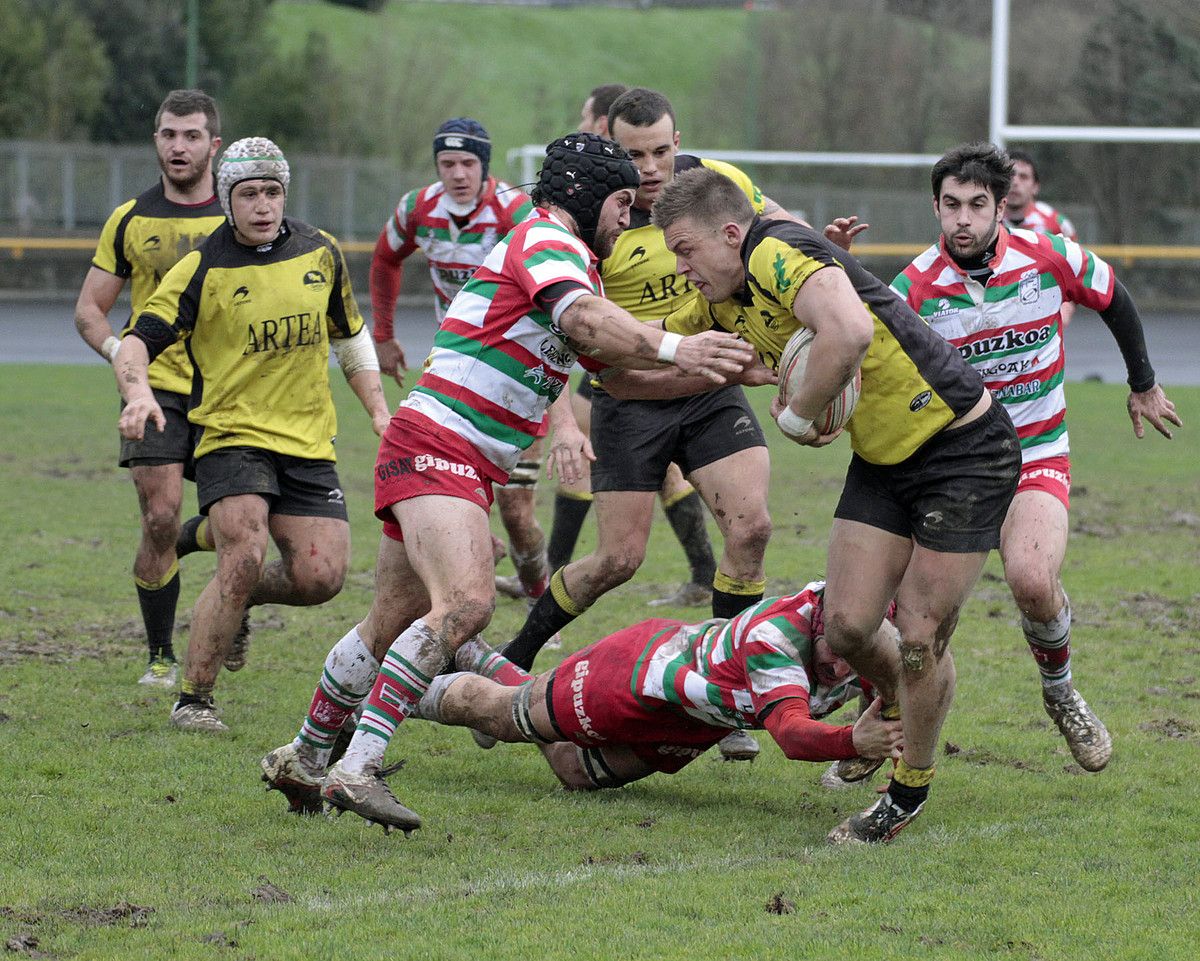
667	348
110	347
793	424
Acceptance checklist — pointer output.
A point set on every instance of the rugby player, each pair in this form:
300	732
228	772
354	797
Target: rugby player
500	358
655	696
455	222
681	504
1024	278
934	462
259	303
142	240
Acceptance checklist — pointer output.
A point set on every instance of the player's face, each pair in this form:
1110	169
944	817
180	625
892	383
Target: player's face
462	174
653	149
1024	189
614	217
830	669
969	216
185	149
257	207
708	256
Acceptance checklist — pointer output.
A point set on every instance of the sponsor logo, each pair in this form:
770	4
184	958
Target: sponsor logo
1029	287
336	496
556	352
421	463
1006	367
920	401
742	425
1008	340
943	311
452	141
664	289
1018	391
153	242
314	278
1055	475
639	252
454	277
284	333
241	295
678	750
581	715
328	714
782	280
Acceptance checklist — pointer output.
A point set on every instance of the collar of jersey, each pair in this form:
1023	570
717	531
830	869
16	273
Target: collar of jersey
271	246
1002	239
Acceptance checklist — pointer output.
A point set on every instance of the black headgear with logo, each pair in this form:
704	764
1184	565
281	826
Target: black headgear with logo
463	133
578	174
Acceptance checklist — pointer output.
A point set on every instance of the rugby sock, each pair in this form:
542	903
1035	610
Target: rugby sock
686	514
194	536
910	785
731	596
191	692
411	663
570	511
553	611
532	569
157	600
479	657
350	670
1050	644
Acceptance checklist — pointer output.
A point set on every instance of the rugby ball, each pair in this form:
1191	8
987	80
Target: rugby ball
791	373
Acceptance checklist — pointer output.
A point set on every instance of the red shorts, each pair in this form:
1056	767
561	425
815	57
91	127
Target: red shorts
417	458
592	703
1050	474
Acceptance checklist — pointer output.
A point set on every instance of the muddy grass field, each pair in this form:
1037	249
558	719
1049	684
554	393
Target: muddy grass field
122	838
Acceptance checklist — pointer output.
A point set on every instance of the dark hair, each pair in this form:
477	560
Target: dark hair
1022	156
602	97
701	193
980	163
640	107
184	102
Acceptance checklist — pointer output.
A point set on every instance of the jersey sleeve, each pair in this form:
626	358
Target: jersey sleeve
515	206
739	177
1086	278
110	250
773	665
399	230
804	739
176	301
547	255
344	318
779	269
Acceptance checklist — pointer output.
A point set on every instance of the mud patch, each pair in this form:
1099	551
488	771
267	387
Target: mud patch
66	643
778	904
69	470
268	893
1170	728
24	944
985	758
220	939
1164	615
136	915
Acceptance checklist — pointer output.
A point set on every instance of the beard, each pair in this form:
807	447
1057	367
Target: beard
184	179
604	241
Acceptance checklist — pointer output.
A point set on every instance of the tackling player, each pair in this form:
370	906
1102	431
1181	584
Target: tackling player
997	295
259	304
140	242
500	359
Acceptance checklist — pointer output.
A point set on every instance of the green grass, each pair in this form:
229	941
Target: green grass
1019	855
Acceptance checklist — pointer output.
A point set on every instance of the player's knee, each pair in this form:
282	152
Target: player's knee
160	524
845	637
565	764
750	535
239	567
1032	586
618	564
466	615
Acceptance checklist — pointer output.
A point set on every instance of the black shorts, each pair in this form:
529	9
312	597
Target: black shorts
291	485
637	440
951	496
584	387
173	446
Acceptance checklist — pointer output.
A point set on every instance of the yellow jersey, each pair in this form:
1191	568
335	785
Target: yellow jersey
256	322
142	240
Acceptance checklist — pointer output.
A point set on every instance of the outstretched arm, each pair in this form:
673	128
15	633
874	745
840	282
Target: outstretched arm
96	298
803	738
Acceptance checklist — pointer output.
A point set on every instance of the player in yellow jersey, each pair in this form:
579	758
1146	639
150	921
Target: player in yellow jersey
141	241
935	459
259	304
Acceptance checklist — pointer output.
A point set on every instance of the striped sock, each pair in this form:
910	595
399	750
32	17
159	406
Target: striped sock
350	671
409	666
731	596
1050	644
158	600
478	657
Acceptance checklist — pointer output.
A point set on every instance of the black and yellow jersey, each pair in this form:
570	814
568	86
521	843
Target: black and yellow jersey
142	240
257	322
914	383
639	275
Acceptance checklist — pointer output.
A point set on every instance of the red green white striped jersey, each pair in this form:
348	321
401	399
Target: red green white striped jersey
1041	218
1010	329
499	360
422	220
726	673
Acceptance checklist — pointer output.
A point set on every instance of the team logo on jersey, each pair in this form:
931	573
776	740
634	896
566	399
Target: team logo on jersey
1029	288
241	296
921	400
153	242
314	278
782	280
639	252
943	311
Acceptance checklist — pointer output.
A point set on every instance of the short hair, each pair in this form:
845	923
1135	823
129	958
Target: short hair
1021	155
975	163
639	107
704	195
602	97
184	102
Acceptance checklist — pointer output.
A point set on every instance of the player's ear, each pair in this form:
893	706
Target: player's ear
1001	207
733	234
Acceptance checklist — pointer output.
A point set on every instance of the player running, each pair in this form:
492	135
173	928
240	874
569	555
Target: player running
997	294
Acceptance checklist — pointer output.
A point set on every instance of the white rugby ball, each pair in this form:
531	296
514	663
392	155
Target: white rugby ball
791	372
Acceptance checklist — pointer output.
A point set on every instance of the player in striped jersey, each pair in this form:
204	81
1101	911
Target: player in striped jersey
499	360
455	223
996	294
655	696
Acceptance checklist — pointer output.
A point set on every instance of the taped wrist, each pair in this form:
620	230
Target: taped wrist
355	353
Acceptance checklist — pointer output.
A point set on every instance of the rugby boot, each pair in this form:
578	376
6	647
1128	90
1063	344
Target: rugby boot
368	796
510	586
160	673
1085	734
235	658
736	746
199	717
833	781
285	770
689	594
853	769
878	824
